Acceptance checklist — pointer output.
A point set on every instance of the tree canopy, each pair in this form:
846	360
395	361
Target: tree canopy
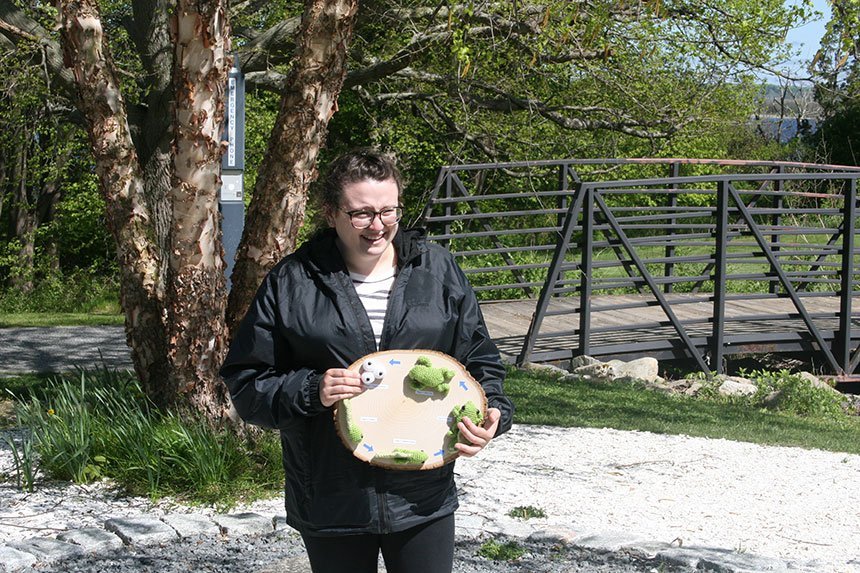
433	82
836	69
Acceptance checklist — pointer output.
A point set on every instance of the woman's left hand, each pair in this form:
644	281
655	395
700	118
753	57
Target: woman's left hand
478	436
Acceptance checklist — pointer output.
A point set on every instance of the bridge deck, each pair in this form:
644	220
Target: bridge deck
751	326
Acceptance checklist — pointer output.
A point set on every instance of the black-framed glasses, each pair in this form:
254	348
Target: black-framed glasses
363	218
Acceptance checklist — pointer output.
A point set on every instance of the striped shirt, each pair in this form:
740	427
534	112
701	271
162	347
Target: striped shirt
374	292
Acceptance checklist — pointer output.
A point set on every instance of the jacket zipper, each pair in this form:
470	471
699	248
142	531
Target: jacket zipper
382	505
396	290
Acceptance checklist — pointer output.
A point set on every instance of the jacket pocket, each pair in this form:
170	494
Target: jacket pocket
336	510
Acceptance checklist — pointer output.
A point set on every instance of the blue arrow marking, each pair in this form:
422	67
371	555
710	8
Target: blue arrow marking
440	453
368	447
393	362
463	385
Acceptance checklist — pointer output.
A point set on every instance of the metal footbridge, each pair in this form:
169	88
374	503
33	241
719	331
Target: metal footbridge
673	258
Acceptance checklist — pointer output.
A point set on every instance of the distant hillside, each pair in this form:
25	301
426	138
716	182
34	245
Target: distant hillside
789	102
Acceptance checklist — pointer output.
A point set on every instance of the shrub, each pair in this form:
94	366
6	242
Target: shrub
782	391
79	291
526	512
797	395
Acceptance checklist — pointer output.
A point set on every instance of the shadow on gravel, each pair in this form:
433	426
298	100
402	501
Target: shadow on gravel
283	552
557	558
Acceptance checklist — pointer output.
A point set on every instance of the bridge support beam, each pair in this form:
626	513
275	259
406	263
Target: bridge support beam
842	347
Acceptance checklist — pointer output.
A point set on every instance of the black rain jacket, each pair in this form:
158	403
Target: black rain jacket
307	318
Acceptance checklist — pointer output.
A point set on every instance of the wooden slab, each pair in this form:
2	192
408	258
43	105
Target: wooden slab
391	415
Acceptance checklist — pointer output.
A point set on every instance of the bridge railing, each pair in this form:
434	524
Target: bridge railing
692	258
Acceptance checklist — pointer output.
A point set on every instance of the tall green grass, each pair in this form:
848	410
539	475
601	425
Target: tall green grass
98	424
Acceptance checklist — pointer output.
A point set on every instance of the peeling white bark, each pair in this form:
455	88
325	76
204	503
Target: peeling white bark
196	291
100	100
289	167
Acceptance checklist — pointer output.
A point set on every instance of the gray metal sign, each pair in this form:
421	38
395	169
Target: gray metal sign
231	199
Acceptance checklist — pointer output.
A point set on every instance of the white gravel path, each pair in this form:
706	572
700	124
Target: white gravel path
796	505
788	503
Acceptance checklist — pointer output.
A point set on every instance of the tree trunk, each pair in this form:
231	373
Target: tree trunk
277	208
22	221
3	178
168	236
196	287
50	194
85	51
152	122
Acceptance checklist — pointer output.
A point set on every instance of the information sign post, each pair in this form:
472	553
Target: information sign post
231	201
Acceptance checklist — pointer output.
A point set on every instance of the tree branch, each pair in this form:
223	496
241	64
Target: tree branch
508	103
18	27
15	31
268	80
273	46
402	59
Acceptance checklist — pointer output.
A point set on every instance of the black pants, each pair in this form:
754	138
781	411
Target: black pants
427	548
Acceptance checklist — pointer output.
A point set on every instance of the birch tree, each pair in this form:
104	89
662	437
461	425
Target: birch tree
158	164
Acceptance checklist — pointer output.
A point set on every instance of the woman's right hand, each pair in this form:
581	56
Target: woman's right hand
339	384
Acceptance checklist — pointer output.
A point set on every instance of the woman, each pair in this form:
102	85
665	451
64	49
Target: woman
362	285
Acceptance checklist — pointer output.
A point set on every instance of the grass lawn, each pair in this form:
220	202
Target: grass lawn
540	399
12	320
23	386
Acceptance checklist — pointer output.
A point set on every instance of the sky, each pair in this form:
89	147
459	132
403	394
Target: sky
807	37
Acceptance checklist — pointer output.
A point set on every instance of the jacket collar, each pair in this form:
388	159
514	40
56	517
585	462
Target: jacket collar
409	244
321	251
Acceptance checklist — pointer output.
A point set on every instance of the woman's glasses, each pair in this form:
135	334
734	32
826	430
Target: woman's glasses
362	218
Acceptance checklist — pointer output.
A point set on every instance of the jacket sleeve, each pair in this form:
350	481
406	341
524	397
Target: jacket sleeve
476	350
264	390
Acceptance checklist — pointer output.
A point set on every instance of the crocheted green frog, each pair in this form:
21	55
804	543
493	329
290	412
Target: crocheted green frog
353	431
424	376
467	410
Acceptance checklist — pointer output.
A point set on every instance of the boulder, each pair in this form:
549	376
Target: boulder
546	369
852	404
578	361
645	369
772	400
736	386
812	379
817	382
597	370
694	388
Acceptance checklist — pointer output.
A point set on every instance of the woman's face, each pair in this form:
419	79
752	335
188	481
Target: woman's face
362	248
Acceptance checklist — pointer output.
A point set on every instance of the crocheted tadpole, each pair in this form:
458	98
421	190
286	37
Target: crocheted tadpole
403	456
352	430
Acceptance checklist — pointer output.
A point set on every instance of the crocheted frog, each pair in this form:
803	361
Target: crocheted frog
467	410
423	376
